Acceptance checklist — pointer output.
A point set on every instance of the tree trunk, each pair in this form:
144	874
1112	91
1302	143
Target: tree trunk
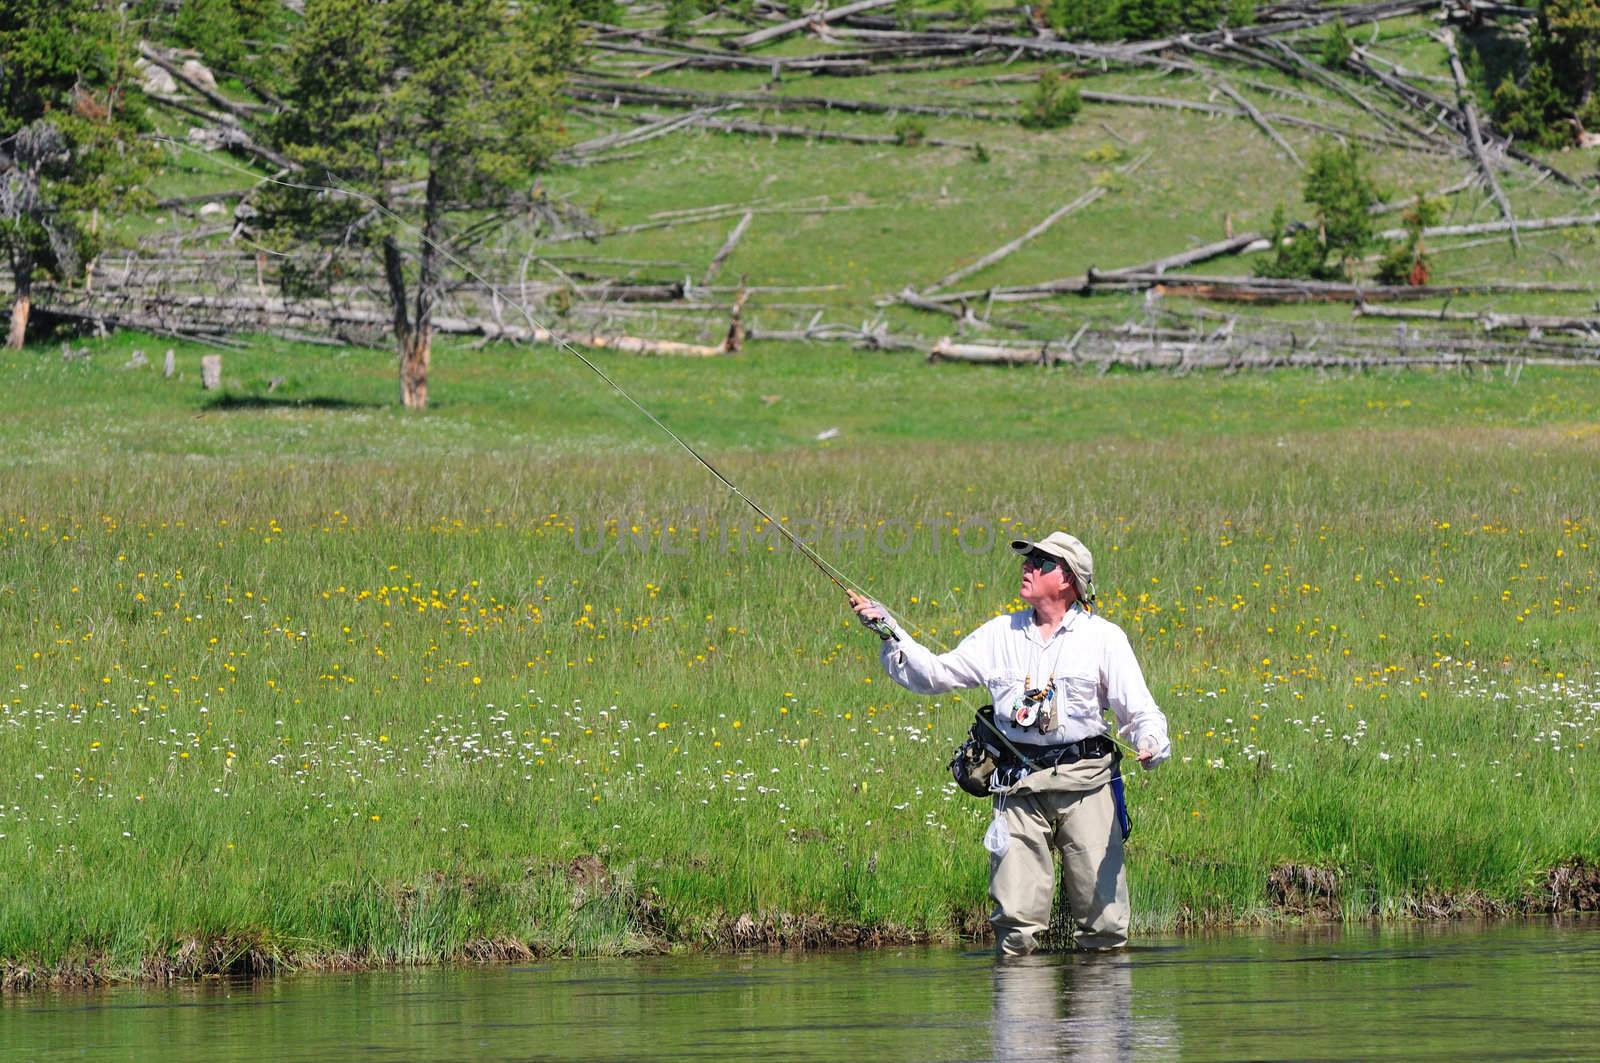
22	275
21	262
416	342
413	383
416	349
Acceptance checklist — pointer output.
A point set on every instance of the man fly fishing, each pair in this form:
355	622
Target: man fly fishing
1043	749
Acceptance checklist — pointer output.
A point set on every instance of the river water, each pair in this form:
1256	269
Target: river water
1522	991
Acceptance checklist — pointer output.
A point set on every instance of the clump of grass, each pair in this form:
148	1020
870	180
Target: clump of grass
910	129
1104	153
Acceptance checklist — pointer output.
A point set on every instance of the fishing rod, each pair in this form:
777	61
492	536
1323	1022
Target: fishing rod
834	574
839	578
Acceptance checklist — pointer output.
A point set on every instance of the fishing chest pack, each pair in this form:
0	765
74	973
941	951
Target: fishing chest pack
986	751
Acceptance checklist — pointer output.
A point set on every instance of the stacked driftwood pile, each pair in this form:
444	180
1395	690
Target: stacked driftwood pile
536	282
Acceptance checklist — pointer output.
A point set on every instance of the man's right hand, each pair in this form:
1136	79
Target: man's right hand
867	609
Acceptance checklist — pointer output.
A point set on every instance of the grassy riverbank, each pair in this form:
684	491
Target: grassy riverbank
314	681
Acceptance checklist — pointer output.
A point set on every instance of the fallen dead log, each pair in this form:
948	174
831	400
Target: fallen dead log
1258	118
649	95
800	132
228	133
623	230
1571	221
858	60
607	91
650	131
136	323
999	253
698	57
592	340
1475	136
1231	246
1488	320
1227	354
1221	350
961	311
949	350
114	281
1350	15
1174	103
1236	289
1038	45
1436	109
209	320
1022	293
242	111
727	247
772	33
1246	242
1290	290
1323	77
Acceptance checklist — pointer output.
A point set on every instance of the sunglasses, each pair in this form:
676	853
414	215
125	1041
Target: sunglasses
1040	563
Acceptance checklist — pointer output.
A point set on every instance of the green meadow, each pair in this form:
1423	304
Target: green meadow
290	678
296	679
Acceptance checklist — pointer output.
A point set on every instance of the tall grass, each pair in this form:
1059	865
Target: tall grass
336	683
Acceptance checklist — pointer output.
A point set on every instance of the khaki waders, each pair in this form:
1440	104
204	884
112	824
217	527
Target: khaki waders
1070	809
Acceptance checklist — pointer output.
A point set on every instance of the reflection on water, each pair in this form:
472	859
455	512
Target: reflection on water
1078	1007
1450	993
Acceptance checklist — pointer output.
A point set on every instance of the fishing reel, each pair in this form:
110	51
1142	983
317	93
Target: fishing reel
880	628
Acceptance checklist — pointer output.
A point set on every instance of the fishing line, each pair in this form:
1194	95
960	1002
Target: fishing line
839	578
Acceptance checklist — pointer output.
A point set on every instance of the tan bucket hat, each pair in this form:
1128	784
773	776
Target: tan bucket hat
1073	554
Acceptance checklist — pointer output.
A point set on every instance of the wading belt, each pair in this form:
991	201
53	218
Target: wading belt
1037	757
1017	761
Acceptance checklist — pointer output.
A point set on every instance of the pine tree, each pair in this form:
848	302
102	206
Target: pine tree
457	97
1553	91
68	138
1341	194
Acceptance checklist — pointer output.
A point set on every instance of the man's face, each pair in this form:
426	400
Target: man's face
1041	586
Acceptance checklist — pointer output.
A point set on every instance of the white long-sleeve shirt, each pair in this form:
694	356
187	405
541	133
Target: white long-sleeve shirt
1088	660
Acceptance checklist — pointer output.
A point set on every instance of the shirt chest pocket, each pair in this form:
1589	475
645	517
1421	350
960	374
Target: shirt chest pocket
1080	695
